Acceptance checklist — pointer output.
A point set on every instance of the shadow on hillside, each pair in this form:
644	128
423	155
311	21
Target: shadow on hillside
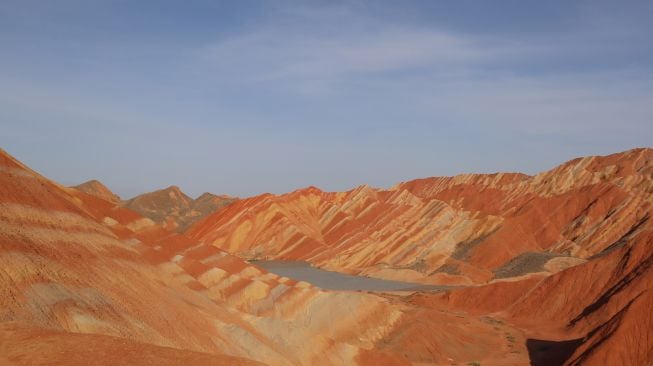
550	353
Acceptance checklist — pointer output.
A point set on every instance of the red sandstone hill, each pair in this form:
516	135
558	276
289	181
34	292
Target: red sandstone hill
75	266
468	229
597	313
85	279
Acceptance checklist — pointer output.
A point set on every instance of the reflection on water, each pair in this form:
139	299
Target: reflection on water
328	280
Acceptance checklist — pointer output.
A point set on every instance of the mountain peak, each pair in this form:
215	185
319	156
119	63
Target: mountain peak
96	188
175	209
173	188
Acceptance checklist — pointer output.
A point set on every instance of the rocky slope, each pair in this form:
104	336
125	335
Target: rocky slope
83	278
597	313
468	229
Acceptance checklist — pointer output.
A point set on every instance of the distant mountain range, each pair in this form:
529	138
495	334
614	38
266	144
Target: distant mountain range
169	207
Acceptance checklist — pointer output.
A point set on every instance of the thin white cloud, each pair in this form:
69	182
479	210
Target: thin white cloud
448	76
334	99
269	55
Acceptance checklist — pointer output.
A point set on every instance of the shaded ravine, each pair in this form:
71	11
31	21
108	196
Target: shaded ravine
328	280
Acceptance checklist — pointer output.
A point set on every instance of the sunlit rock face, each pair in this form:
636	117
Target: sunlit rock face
467	229
558	267
83	276
75	263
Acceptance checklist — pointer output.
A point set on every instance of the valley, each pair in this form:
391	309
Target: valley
329	280
501	269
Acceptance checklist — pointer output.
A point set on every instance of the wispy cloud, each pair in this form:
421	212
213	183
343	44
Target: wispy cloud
270	55
278	56
243	100
495	83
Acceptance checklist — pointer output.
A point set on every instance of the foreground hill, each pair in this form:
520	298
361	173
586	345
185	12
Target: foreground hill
468	229
74	263
597	313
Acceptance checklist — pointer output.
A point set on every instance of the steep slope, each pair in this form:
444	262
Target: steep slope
173	209
598	312
466	229
82	278
98	189
59	270
604	303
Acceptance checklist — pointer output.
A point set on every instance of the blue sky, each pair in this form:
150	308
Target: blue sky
245	97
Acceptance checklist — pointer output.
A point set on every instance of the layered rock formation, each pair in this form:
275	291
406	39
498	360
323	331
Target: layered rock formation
83	278
468	229
596	313
558	267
